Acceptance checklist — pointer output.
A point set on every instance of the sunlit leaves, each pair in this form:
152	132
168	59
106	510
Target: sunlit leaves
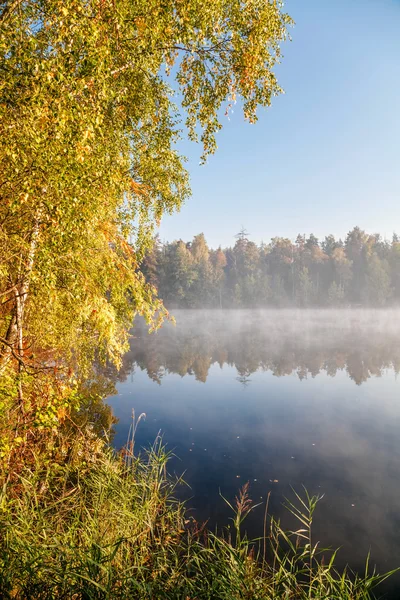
88	149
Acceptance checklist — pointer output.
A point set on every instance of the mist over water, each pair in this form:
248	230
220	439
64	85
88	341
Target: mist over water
362	343
282	399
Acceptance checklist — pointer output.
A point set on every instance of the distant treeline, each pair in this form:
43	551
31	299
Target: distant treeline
362	270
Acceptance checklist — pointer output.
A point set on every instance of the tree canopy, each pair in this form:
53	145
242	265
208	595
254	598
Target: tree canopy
88	152
362	270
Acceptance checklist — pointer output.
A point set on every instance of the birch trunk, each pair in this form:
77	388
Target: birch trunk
13	341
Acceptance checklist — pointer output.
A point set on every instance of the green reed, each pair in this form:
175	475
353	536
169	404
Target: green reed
102	525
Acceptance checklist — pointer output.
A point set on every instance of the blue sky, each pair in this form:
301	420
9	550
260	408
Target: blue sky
325	156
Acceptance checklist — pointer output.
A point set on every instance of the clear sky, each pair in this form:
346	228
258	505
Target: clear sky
326	155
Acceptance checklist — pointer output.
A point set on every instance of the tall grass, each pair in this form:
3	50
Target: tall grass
108	526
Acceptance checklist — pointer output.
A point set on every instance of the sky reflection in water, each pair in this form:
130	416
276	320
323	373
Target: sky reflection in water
280	399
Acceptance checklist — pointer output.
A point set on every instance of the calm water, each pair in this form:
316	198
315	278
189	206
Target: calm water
280	399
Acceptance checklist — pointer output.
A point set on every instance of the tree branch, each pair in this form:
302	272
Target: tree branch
11	346
11	289
32	368
9	9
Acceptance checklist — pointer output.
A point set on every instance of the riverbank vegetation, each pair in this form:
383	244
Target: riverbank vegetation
91	524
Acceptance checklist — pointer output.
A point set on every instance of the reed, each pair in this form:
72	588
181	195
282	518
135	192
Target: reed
102	525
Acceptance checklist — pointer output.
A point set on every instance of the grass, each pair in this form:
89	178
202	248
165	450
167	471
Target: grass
98	525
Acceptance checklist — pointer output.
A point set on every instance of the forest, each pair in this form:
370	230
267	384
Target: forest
362	270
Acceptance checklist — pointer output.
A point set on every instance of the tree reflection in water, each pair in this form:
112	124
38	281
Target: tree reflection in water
362	343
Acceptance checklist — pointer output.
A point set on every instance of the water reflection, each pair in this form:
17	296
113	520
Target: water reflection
280	399
363	344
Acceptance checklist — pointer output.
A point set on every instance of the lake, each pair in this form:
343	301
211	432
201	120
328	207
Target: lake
282	399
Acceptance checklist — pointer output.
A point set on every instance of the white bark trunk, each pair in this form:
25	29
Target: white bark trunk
15	332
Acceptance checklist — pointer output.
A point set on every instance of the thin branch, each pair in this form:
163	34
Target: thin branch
199	51
33	370
15	355
11	289
9	9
